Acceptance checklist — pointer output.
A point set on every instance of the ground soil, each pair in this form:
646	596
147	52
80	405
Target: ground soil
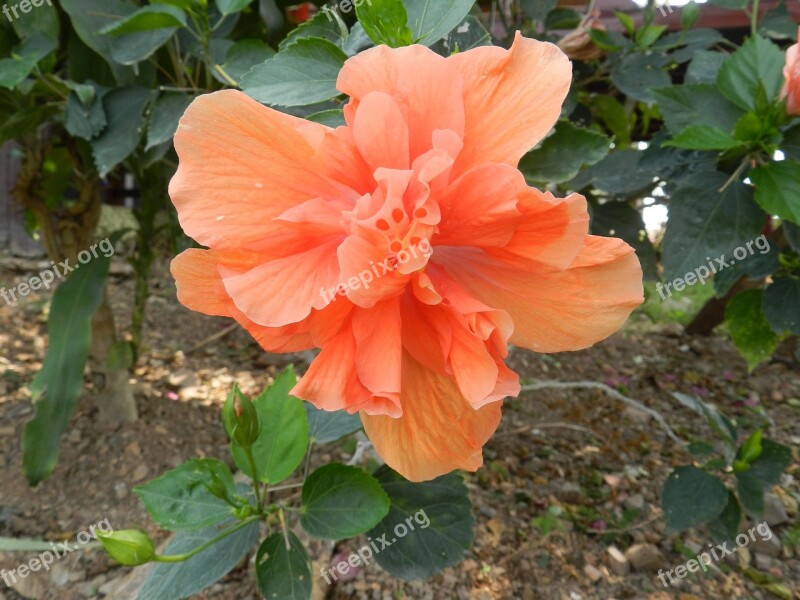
598	461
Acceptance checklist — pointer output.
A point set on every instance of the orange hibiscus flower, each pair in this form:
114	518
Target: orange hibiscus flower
791	74
421	191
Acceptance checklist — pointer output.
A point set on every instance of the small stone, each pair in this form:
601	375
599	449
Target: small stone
140	473
59	574
568	491
617	561
635	502
183	378
634	414
645	557
771	546
764	562
774	511
593	573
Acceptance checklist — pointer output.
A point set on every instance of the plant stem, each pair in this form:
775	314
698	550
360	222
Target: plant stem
174	558
754	18
251	462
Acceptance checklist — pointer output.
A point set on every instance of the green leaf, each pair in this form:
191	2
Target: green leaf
618	174
333	117
781	305
435	518
321	25
84	122
431	20
185	579
685	105
58	384
777	23
704	67
562	18
627	22
168	110
341	502
468	35
721	425
705	224
703	137
385	22
751	493
153	16
560	156
325	426
750	331
244	55
24	121
228	7
648	35
757	266
725	527
637	74
283	572
758	64
301	74
180	499
689	15
683	45
778	189
537	9
692	497
124	108
610	111
774	459
283	440
25	57
43	20
731	4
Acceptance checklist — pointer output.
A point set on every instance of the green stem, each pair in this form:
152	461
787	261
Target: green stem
754	18
174	558
251	462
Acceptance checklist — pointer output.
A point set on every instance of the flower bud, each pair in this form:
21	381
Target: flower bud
241	419
131	547
578	44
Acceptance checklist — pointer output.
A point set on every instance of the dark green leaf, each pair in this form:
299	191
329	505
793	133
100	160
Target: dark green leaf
686	105
705	224
322	25
704	67
781	305
618	174
301	74
774	459
24	121
228	7
560	156
758	64
341	502
431	20
562	18
43	20
180	500
777	23
82	121
725	527
620	220
168	110
244	55
751	493
537	9
283	440
749	329
721	425
466	36
324	426
778	189
152	16
385	21
57	386
24	59
692	497
757	266
791	142
429	525
185	579
637	74
283	572
703	137
124	108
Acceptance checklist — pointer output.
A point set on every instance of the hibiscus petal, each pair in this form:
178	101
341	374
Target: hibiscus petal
512	98
242	164
285	290
381	133
554	310
377	332
427	89
438	432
